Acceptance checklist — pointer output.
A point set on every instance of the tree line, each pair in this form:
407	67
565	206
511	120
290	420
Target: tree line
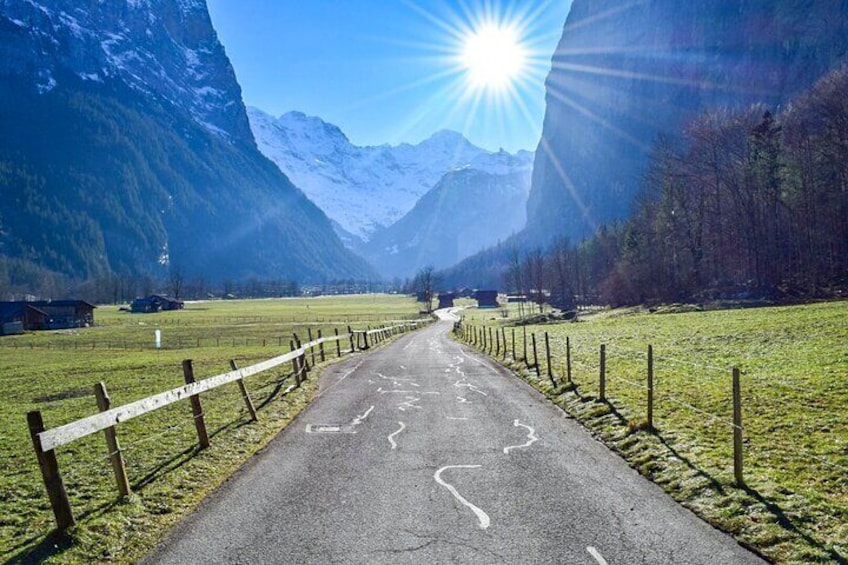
742	204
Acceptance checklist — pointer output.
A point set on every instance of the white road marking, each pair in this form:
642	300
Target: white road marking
597	555
409	403
531	435
463	400
391	436
381	391
359	419
469	386
402	368
455	418
481	516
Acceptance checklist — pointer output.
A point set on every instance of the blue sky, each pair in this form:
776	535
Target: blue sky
386	71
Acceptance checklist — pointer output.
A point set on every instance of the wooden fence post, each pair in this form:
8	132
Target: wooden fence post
497	342
104	403
603	373
196	408
295	364
490	340
568	359
513	343
525	343
338	343
548	359
365	334
535	356
350	335
244	394
503	339
50	473
737	429
650	387
311	349
321	348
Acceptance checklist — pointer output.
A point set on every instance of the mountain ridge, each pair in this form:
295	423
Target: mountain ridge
129	159
364	188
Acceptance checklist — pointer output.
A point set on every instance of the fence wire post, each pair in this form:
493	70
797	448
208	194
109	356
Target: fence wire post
503	338
196	408
535	356
603	373
650	387
525	344
737	429
350	335
548	359
568	359
338	343
50	473
116	457
513	344
321	347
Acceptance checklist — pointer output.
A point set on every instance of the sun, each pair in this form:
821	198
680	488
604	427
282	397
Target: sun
493	56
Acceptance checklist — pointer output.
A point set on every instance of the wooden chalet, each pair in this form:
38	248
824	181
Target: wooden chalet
155	303
48	314
67	313
17	317
446	300
486	298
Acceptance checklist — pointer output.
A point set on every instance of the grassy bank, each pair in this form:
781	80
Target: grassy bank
794	363
55	372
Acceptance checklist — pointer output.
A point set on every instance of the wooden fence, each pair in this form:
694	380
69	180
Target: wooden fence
46	441
496	344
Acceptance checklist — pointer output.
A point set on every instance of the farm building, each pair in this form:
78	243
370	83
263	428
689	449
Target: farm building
67	313
515	298
446	300
48	314
486	298
17	317
155	303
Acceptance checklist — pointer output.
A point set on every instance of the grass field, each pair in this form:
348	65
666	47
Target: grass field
55	372
794	364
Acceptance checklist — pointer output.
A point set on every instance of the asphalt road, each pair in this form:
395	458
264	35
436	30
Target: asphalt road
425	452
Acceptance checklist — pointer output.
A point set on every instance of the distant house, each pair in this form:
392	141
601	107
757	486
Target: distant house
17	317
512	298
155	303
67	313
486	298
446	300
46	315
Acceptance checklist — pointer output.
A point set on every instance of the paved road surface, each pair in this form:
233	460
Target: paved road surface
424	452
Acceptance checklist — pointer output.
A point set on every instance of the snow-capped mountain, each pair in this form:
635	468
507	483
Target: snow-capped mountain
366	189
164	48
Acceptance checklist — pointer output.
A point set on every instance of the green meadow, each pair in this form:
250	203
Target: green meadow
794	381
55	371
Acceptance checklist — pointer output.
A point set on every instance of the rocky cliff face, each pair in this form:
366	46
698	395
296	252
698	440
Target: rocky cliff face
625	73
468	210
125	148
167	49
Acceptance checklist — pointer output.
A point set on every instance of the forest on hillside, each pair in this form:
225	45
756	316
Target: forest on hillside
742	204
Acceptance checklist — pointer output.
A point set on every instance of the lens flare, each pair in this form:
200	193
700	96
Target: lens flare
493	56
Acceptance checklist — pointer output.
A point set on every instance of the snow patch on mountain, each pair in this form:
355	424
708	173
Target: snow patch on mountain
365	189
166	48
